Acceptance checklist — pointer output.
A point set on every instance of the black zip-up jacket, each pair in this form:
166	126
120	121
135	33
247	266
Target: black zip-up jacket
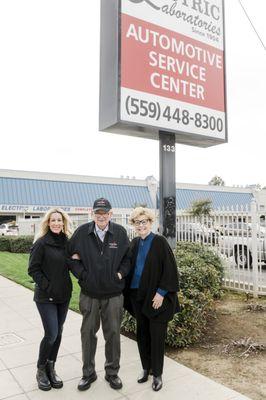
49	269
100	261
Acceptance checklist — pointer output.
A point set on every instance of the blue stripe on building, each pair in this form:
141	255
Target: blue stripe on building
219	199
25	191
78	194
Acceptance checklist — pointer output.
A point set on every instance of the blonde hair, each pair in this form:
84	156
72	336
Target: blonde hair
141	211
44	228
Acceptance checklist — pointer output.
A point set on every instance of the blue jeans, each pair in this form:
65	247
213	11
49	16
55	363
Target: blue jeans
53	317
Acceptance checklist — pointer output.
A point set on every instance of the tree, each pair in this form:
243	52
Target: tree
216	181
201	208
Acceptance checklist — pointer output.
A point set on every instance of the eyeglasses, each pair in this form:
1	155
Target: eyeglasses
142	222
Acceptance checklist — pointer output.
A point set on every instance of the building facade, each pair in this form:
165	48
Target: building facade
25	196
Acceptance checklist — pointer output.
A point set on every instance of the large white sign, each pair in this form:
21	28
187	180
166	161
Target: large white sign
172	70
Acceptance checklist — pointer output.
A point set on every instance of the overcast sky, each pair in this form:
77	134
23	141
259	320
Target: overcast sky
49	87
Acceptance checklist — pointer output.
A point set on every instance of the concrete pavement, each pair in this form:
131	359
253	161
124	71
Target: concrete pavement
21	332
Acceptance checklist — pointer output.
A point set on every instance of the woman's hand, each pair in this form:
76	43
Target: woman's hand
157	301
75	256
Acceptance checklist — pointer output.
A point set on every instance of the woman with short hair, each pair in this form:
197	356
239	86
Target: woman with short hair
151	293
53	287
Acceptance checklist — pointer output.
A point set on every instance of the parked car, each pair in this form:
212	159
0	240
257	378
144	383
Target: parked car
8	230
196	232
235	239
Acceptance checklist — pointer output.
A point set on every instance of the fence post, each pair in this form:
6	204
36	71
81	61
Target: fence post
254	235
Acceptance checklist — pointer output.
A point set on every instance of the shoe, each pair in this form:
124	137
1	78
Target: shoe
143	377
54	379
157	383
115	381
42	378
86	381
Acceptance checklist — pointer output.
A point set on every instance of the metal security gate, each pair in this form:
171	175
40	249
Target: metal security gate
238	236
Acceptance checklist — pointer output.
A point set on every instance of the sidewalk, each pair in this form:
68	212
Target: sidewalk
21	332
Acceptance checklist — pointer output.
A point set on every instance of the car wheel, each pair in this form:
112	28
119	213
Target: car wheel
243	257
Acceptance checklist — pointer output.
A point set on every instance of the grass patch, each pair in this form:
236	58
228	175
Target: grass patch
15	267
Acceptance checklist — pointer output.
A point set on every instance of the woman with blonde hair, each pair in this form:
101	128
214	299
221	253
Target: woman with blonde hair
48	266
151	294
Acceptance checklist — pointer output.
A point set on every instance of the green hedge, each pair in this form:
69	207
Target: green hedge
199	268
16	244
4	243
200	273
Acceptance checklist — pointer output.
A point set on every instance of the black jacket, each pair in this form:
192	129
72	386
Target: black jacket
100	262
160	271
49	270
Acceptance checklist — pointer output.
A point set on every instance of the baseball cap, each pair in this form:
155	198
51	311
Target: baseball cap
102	204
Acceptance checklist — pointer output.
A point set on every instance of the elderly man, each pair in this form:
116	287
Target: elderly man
101	248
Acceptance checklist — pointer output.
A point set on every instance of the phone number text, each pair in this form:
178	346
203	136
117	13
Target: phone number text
154	110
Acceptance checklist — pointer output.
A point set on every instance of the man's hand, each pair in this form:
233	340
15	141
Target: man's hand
157	301
119	275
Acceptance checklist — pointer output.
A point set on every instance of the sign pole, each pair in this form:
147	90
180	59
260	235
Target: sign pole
160	77
167	187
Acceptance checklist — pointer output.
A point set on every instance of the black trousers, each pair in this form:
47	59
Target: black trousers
53	317
150	338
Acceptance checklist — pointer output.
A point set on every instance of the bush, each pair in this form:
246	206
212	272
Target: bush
4	243
199	268
188	326
16	244
200	272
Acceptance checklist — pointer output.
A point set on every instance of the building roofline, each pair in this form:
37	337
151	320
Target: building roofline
213	188
50	176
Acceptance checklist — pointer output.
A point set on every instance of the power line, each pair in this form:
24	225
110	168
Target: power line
260	39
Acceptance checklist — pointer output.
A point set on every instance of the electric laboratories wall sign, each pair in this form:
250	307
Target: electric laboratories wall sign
163	68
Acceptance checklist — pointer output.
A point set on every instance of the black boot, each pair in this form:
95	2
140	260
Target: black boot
56	382
143	377
42	378
157	383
